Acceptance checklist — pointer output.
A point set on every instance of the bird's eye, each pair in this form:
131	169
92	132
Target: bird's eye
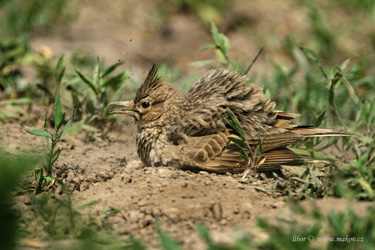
145	105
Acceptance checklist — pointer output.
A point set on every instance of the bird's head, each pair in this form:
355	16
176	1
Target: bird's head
151	101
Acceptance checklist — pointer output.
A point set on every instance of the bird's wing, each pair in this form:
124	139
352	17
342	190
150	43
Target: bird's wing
216	82
218	90
218	154
209	153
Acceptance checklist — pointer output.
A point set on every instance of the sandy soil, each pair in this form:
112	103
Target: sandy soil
111	173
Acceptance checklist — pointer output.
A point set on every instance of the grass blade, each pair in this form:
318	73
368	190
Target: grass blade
314	155
86	80
319	119
205	235
59	70
111	68
39	132
58	112
167	241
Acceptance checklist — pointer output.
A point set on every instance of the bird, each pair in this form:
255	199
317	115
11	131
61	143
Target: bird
190	130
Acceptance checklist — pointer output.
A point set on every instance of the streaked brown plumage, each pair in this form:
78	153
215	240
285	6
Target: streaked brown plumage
188	130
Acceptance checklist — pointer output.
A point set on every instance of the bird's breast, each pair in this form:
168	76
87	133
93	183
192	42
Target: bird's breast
151	147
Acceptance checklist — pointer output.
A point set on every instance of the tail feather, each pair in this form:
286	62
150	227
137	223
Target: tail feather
318	132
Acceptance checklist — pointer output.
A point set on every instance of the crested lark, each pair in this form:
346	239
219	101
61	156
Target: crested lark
188	129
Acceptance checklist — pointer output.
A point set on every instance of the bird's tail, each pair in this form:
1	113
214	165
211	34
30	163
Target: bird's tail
307	131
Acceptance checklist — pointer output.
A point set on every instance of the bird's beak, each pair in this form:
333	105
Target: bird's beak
128	104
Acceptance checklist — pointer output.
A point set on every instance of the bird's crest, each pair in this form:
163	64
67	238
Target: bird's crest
151	82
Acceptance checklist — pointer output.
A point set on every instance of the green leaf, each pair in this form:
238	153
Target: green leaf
39	175
314	155
116	80
242	152
310	54
56	152
167	241
302	60
205	235
135	244
201	63
236	125
221	40
59	70
309	144
39	132
97	70
68	125
111	68
88	203
19	101
61	183
59	64
45	149
59	79
86	80
319	119
59	117
48	180
343	66
209	46
56	156
45	89
316	180
367	187
237	141
66	129
331	94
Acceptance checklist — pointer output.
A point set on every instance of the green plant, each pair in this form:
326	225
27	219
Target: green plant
13	166
62	220
14	111
166	240
321	33
357	180
205	10
241	243
43	175
94	96
337	230
252	156
20	17
366	5
50	78
221	46
11	53
14	56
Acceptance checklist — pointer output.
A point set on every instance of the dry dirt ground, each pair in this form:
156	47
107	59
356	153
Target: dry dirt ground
111	173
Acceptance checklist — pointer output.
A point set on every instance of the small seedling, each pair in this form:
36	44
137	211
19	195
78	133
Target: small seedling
43	175
221	45
13	166
94	99
166	240
15	110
